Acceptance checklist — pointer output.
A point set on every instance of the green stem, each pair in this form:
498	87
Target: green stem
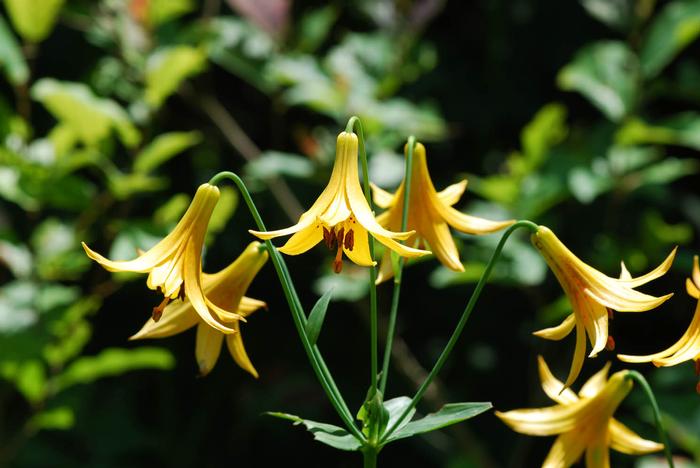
369	456
398	274
317	363
460	325
354	122
639	378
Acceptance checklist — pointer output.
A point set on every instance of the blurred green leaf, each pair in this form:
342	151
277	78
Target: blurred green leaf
17	310
671	31
314	27
451	413
29	378
162	11
57	251
112	362
350	286
669	234
224	210
668	170
11	59
167	68
60	418
33	19
547	129
16	257
328	434
92	118
163	148
172	210
124	186
132	237
617	14
70	331
274	163
606	73
317	316
11	189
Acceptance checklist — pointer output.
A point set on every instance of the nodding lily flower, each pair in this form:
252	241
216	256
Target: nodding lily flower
583	422
688	346
430	214
593	297
174	265
341	217
226	289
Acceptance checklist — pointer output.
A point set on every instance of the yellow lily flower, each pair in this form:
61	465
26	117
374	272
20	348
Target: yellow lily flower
341	216
226	289
430	214
688	346
174	264
583	422
593	296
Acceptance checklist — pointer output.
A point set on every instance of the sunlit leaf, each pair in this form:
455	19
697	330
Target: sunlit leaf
617	14
274	163
606	73
112	362
33	19
162	11
163	148
224	210
673	29
317	316
16	257
451	413
11	59
167	68
60	418
91	117
29	378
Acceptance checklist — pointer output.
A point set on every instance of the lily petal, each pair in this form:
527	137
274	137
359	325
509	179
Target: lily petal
452	193
579	356
624	299
624	440
567	449
248	305
360	251
302	240
442	245
693	290
207	348
560	331
381	197
240	356
595	384
177	317
653	274
552	386
597	453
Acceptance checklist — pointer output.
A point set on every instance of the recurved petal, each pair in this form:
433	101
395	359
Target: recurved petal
467	223
177	317
696	271
567	449
382	198
141	264
238	353
403	250
547	421
560	331
208	347
360	251
624	440
442	245
552	386
248	305
579	355
623	299
692	289
596	326
595	384
452	193
302	240
304	222
653	274
625	275
386	269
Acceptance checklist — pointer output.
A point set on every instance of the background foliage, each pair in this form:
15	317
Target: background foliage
584	116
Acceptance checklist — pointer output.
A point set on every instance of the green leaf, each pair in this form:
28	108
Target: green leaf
274	163
163	148
547	129
317	315
57	250
395	407
672	30
315	26
11	58
167	68
112	362
224	210
29	377
452	413
33	19
17	258
124	186
617	14
172	210
60	418
606	73
681	129
162	11
92	118
373	414
328	434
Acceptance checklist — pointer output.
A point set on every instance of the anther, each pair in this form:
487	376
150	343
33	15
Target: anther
611	314
610	345
329	237
697	388
181	294
158	310
350	240
697	367
340	235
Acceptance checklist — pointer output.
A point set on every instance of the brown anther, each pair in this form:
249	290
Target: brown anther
158	310
181	294
340	235
349	240
697	388
697	367
611	314
338	261
610	345
329	237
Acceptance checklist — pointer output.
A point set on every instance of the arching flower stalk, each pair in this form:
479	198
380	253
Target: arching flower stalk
226	289
583	422
174	265
430	215
593	296
341	217
687	348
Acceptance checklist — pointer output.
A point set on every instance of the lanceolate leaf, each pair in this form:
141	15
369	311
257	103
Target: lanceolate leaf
328	434
449	414
11	58
317	315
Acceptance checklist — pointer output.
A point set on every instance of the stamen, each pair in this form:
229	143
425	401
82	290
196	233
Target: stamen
697	367
611	314
158	311
697	388
338	261
329	237
610	345
181	294
350	240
